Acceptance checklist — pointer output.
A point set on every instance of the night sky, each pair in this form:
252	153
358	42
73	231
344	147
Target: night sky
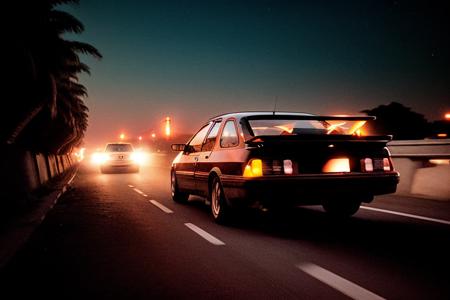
195	59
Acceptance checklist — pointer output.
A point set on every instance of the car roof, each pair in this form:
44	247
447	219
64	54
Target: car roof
291	115
243	114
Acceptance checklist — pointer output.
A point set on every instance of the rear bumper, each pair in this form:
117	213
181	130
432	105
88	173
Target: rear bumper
307	189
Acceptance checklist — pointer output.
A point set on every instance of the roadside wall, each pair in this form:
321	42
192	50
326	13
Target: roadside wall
424	168
23	172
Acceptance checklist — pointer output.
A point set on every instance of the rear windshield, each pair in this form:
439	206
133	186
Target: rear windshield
119	148
299	127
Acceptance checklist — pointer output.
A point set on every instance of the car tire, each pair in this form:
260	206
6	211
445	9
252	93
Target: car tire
177	196
220	210
344	209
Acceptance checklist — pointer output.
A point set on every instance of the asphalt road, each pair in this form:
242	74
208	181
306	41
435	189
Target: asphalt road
120	236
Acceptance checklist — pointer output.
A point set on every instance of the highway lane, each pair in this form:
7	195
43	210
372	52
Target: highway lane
121	236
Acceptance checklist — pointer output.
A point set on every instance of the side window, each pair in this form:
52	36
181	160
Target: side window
229	136
197	140
211	139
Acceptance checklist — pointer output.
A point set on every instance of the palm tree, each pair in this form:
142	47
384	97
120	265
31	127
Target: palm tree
49	109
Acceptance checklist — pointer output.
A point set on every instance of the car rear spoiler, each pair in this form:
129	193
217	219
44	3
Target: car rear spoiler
311	117
307	138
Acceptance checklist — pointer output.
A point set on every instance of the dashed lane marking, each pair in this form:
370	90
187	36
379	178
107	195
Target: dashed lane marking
131	186
72	178
343	285
140	192
406	215
161	207
210	238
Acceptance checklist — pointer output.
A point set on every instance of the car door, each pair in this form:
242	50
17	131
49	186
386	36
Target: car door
228	146
204	162
185	170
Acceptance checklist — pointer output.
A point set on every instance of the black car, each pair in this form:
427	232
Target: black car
280	159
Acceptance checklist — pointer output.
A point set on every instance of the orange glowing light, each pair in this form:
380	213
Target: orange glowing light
140	157
140	138
337	165
442	135
253	169
357	128
153	135
99	158
287	128
122	136
167	127
332	127
80	154
447	116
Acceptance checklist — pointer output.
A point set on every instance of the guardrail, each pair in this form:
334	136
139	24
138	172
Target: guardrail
424	168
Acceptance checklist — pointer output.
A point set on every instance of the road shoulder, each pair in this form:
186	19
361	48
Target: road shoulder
15	233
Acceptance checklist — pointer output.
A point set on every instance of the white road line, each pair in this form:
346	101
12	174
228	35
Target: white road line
344	286
71	179
213	240
161	207
406	215
131	186
138	191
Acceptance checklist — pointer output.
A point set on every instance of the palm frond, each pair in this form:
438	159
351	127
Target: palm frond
84	48
62	22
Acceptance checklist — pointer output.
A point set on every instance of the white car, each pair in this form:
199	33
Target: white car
118	157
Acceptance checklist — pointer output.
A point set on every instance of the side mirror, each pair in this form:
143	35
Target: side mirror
178	147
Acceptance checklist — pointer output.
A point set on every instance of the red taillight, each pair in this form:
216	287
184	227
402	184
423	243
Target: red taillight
367	165
376	164
387	164
287	166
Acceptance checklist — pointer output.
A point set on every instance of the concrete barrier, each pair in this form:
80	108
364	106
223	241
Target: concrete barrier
53	165
58	164
42	168
23	172
432	182
61	164
424	168
19	176
30	171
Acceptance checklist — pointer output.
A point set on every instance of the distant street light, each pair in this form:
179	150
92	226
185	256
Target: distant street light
167	127
122	136
153	136
140	138
447	116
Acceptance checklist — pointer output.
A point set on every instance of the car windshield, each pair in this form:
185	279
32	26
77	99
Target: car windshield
119	148
300	127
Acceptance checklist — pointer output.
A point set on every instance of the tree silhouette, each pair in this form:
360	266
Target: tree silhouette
47	112
397	120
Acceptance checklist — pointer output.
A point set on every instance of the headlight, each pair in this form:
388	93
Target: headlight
138	158
99	158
